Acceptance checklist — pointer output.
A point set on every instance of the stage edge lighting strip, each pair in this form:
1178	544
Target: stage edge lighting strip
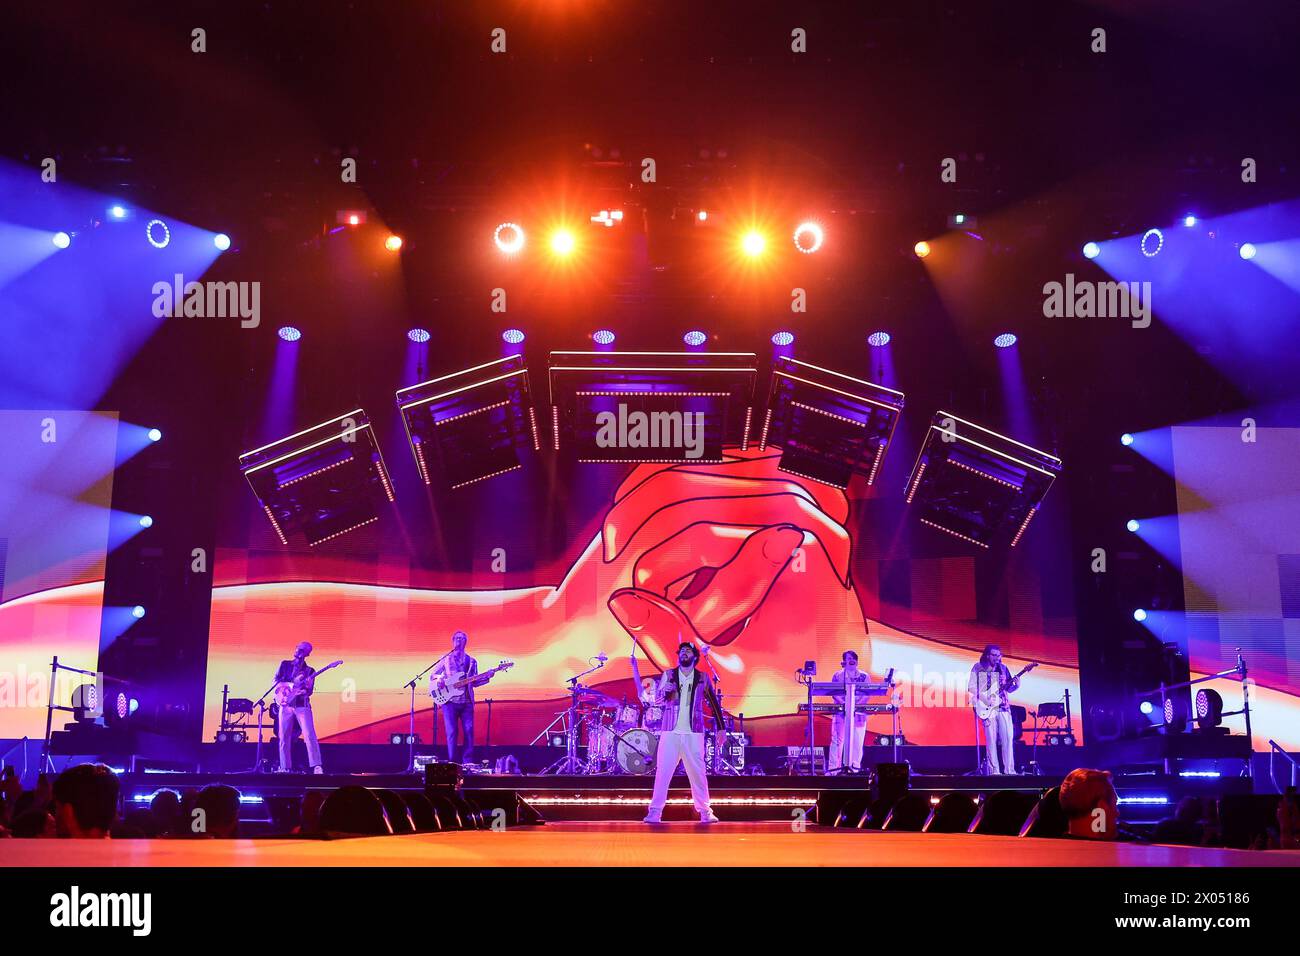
652	394
622	801
419	460
301	451
744	436
652	461
465	388
477	411
822	411
1023	525
916	482
313	474
275	524
485	477
860	398
955	534
767	423
280	441
989	431
993	451
555	425
336	534
875	465
983	474
860	381
532	421
464	371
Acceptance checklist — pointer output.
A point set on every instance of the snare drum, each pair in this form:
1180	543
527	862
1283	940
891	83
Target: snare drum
625	718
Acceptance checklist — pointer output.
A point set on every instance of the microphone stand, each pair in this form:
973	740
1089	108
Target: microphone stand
410	736
261	719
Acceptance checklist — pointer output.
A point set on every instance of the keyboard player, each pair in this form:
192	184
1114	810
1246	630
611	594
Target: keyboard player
848	673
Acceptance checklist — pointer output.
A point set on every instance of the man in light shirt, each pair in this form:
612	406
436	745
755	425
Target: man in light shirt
682	692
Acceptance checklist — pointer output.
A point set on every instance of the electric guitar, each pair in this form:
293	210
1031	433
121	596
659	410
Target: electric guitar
286	691
452	688
985	707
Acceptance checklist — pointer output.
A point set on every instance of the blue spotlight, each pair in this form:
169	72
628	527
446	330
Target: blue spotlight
1005	340
1153	240
289	334
221	241
512	336
157	233
418	336
603	337
1247	251
1139	615
146	521
117	212
137	612
695	338
783	338
878	339
155	434
1189	221
1147	707
1133	525
62	240
1091	250
1126	439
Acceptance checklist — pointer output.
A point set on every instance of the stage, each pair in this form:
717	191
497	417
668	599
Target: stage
626	844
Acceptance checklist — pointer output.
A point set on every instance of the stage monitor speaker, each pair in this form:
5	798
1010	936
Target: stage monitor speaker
892	781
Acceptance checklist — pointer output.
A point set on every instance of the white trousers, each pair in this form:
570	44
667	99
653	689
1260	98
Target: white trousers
997	743
285	732
684	748
835	753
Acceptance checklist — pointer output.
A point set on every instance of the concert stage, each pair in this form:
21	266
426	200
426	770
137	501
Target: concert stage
624	844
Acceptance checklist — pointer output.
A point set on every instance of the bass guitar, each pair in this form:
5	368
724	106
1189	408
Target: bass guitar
452	688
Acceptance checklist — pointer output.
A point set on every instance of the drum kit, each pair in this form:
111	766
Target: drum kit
611	731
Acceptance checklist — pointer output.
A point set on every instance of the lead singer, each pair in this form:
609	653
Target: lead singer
682	692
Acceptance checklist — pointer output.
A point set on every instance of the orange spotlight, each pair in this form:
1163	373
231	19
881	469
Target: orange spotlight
393	243
922	249
562	242
753	243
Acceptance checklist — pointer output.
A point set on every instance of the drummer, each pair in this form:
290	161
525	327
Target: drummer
651	713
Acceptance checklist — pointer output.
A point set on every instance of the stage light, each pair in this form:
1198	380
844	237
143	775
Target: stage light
1133	524
753	243
418	336
1139	615
62	240
1209	709
1189	221
1147	707
959	219
603	337
509	238
783	338
512	336
137	612
922	249
1153	240
562	242
1005	340
1126	439
702	215
878	339
155	435
808	237
695	338
393	243
117	212
1247	251
146	521
158	237
607	218
1091	250
221	241
289	334
354	219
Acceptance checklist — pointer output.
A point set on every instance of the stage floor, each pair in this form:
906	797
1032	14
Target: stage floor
623	844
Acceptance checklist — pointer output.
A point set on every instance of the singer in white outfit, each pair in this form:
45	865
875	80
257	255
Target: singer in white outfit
682	692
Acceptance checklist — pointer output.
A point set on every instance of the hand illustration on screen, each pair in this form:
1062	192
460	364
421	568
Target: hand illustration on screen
712	544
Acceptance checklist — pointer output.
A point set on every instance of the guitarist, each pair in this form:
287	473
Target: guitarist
458	713
990	682
302	675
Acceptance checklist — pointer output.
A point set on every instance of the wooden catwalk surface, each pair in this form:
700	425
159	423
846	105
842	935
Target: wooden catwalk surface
631	844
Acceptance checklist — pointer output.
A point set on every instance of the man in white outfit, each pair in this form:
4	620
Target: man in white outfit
848	674
682	692
990	682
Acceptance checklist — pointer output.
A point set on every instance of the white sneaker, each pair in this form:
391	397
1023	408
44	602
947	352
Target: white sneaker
708	816
653	817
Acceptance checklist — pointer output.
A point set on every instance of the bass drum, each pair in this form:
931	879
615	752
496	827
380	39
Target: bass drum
636	751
